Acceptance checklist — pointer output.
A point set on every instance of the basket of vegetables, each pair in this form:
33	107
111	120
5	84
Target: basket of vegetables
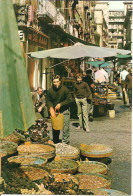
62	166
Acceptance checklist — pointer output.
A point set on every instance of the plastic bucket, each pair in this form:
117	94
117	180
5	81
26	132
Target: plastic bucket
58	122
111	113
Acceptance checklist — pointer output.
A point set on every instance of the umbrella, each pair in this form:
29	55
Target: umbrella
16	107
99	63
78	50
101	76
120	56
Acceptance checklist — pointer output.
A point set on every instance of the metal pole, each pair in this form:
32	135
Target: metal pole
46	78
41	72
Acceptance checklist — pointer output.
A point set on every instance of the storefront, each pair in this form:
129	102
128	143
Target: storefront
34	40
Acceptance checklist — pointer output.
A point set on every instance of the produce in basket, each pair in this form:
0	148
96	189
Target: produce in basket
28	160
62	166
93	181
67	151
7	147
34	173
96	150
36	148
92	167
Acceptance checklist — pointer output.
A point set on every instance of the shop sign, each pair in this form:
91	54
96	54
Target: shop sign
38	38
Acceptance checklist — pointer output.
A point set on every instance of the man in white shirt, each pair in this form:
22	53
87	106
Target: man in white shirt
123	75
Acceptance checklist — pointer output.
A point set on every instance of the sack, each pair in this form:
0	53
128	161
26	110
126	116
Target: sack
58	122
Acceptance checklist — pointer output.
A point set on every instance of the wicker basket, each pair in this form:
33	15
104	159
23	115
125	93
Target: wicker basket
93	181
41	150
34	173
96	150
7	148
92	167
63	170
28	160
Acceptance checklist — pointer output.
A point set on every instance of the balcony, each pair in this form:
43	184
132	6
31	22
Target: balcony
46	11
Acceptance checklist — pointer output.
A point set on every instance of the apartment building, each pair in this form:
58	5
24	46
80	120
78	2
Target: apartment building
128	25
101	15
116	29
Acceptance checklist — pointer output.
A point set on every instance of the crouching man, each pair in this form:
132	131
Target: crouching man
39	103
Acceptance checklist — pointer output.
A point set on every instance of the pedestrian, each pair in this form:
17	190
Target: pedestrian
123	75
89	80
39	103
128	85
58	99
111	78
82	92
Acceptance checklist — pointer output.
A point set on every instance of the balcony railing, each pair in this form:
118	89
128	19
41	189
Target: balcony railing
46	10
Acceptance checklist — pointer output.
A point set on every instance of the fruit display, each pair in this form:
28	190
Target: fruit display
93	181
67	151
92	167
63	166
96	150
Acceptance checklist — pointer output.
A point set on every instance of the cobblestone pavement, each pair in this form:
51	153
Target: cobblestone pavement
116	133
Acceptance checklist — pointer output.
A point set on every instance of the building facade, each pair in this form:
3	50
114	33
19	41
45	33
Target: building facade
116	29
128	25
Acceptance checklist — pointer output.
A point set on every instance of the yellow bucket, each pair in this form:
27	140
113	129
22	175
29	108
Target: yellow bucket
58	122
112	113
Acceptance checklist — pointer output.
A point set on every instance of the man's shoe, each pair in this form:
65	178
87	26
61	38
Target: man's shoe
87	130
78	128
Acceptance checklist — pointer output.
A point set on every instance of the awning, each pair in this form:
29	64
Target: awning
99	63
78	50
120	56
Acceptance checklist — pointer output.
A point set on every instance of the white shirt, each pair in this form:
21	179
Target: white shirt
123	74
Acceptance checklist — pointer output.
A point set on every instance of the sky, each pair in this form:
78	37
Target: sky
117	5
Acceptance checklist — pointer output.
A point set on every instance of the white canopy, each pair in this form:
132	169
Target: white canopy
78	50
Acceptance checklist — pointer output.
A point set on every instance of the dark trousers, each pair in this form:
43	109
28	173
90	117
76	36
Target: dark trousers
129	91
56	134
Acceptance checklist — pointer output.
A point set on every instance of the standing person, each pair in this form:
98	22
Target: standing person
111	78
58	99
82	93
128	85
39	103
89	80
123	75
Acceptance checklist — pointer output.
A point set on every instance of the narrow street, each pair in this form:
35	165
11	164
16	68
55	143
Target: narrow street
116	133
